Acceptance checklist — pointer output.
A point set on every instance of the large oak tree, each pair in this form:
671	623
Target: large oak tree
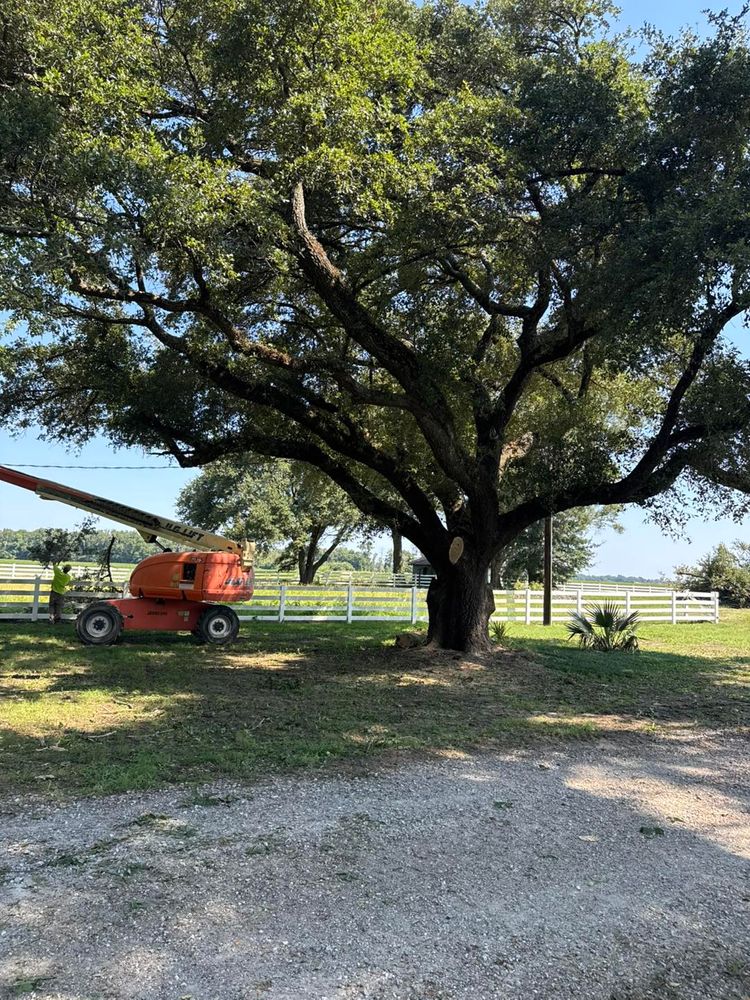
473	263
274	501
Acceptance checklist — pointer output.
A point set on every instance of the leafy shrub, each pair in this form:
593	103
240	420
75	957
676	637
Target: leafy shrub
604	627
55	545
726	569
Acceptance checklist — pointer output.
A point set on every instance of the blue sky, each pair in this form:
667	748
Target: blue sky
641	550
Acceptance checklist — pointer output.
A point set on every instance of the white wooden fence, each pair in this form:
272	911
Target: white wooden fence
27	601
673	606
339	578
591	588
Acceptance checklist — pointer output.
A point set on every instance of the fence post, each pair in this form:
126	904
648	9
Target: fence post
674	607
349	603
12	571
35	605
579	601
414	604
715	598
282	601
528	606
627	602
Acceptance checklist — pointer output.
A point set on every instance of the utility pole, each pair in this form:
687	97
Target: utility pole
547	612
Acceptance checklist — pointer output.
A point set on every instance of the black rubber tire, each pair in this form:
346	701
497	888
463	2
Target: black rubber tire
218	625
99	625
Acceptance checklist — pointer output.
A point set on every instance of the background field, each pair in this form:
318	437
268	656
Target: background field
157	709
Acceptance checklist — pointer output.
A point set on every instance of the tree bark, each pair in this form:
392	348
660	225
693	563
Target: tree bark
307	565
398	548
459	603
304	566
306	558
534	571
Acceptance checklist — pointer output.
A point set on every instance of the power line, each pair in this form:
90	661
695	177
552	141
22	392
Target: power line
25	465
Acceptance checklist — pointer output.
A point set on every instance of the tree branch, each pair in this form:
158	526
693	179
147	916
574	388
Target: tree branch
299	449
431	408
490	305
345	438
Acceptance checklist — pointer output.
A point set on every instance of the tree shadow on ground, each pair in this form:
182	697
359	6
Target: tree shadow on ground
158	709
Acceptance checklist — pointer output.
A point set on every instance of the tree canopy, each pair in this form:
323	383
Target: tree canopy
474	263
55	545
274	501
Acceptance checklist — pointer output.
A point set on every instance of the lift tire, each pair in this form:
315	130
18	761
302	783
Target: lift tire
99	625
218	625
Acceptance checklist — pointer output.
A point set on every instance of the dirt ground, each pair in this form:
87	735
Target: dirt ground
597	871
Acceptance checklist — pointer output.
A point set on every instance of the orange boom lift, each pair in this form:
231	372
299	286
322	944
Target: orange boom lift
170	591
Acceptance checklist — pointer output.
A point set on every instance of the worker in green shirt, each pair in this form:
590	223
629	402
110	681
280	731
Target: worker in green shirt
60	581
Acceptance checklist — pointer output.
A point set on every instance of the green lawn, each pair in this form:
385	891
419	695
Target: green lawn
158	709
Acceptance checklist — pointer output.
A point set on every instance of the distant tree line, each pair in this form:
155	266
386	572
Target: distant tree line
129	547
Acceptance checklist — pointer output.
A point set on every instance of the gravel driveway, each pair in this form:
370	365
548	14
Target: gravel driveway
602	870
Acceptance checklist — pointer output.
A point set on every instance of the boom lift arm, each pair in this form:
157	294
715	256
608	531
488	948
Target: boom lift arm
149	526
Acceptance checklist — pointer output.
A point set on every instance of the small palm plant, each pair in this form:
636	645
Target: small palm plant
604	627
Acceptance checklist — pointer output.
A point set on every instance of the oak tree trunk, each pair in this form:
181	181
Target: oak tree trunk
459	603
535	571
398	547
306	575
308	564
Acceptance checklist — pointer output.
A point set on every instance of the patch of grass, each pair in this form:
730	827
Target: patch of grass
155	709
67	861
737	968
70	860
20	987
182	831
536	726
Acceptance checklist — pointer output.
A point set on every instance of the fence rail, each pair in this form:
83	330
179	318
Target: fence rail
359	578
591	589
27	601
330	578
